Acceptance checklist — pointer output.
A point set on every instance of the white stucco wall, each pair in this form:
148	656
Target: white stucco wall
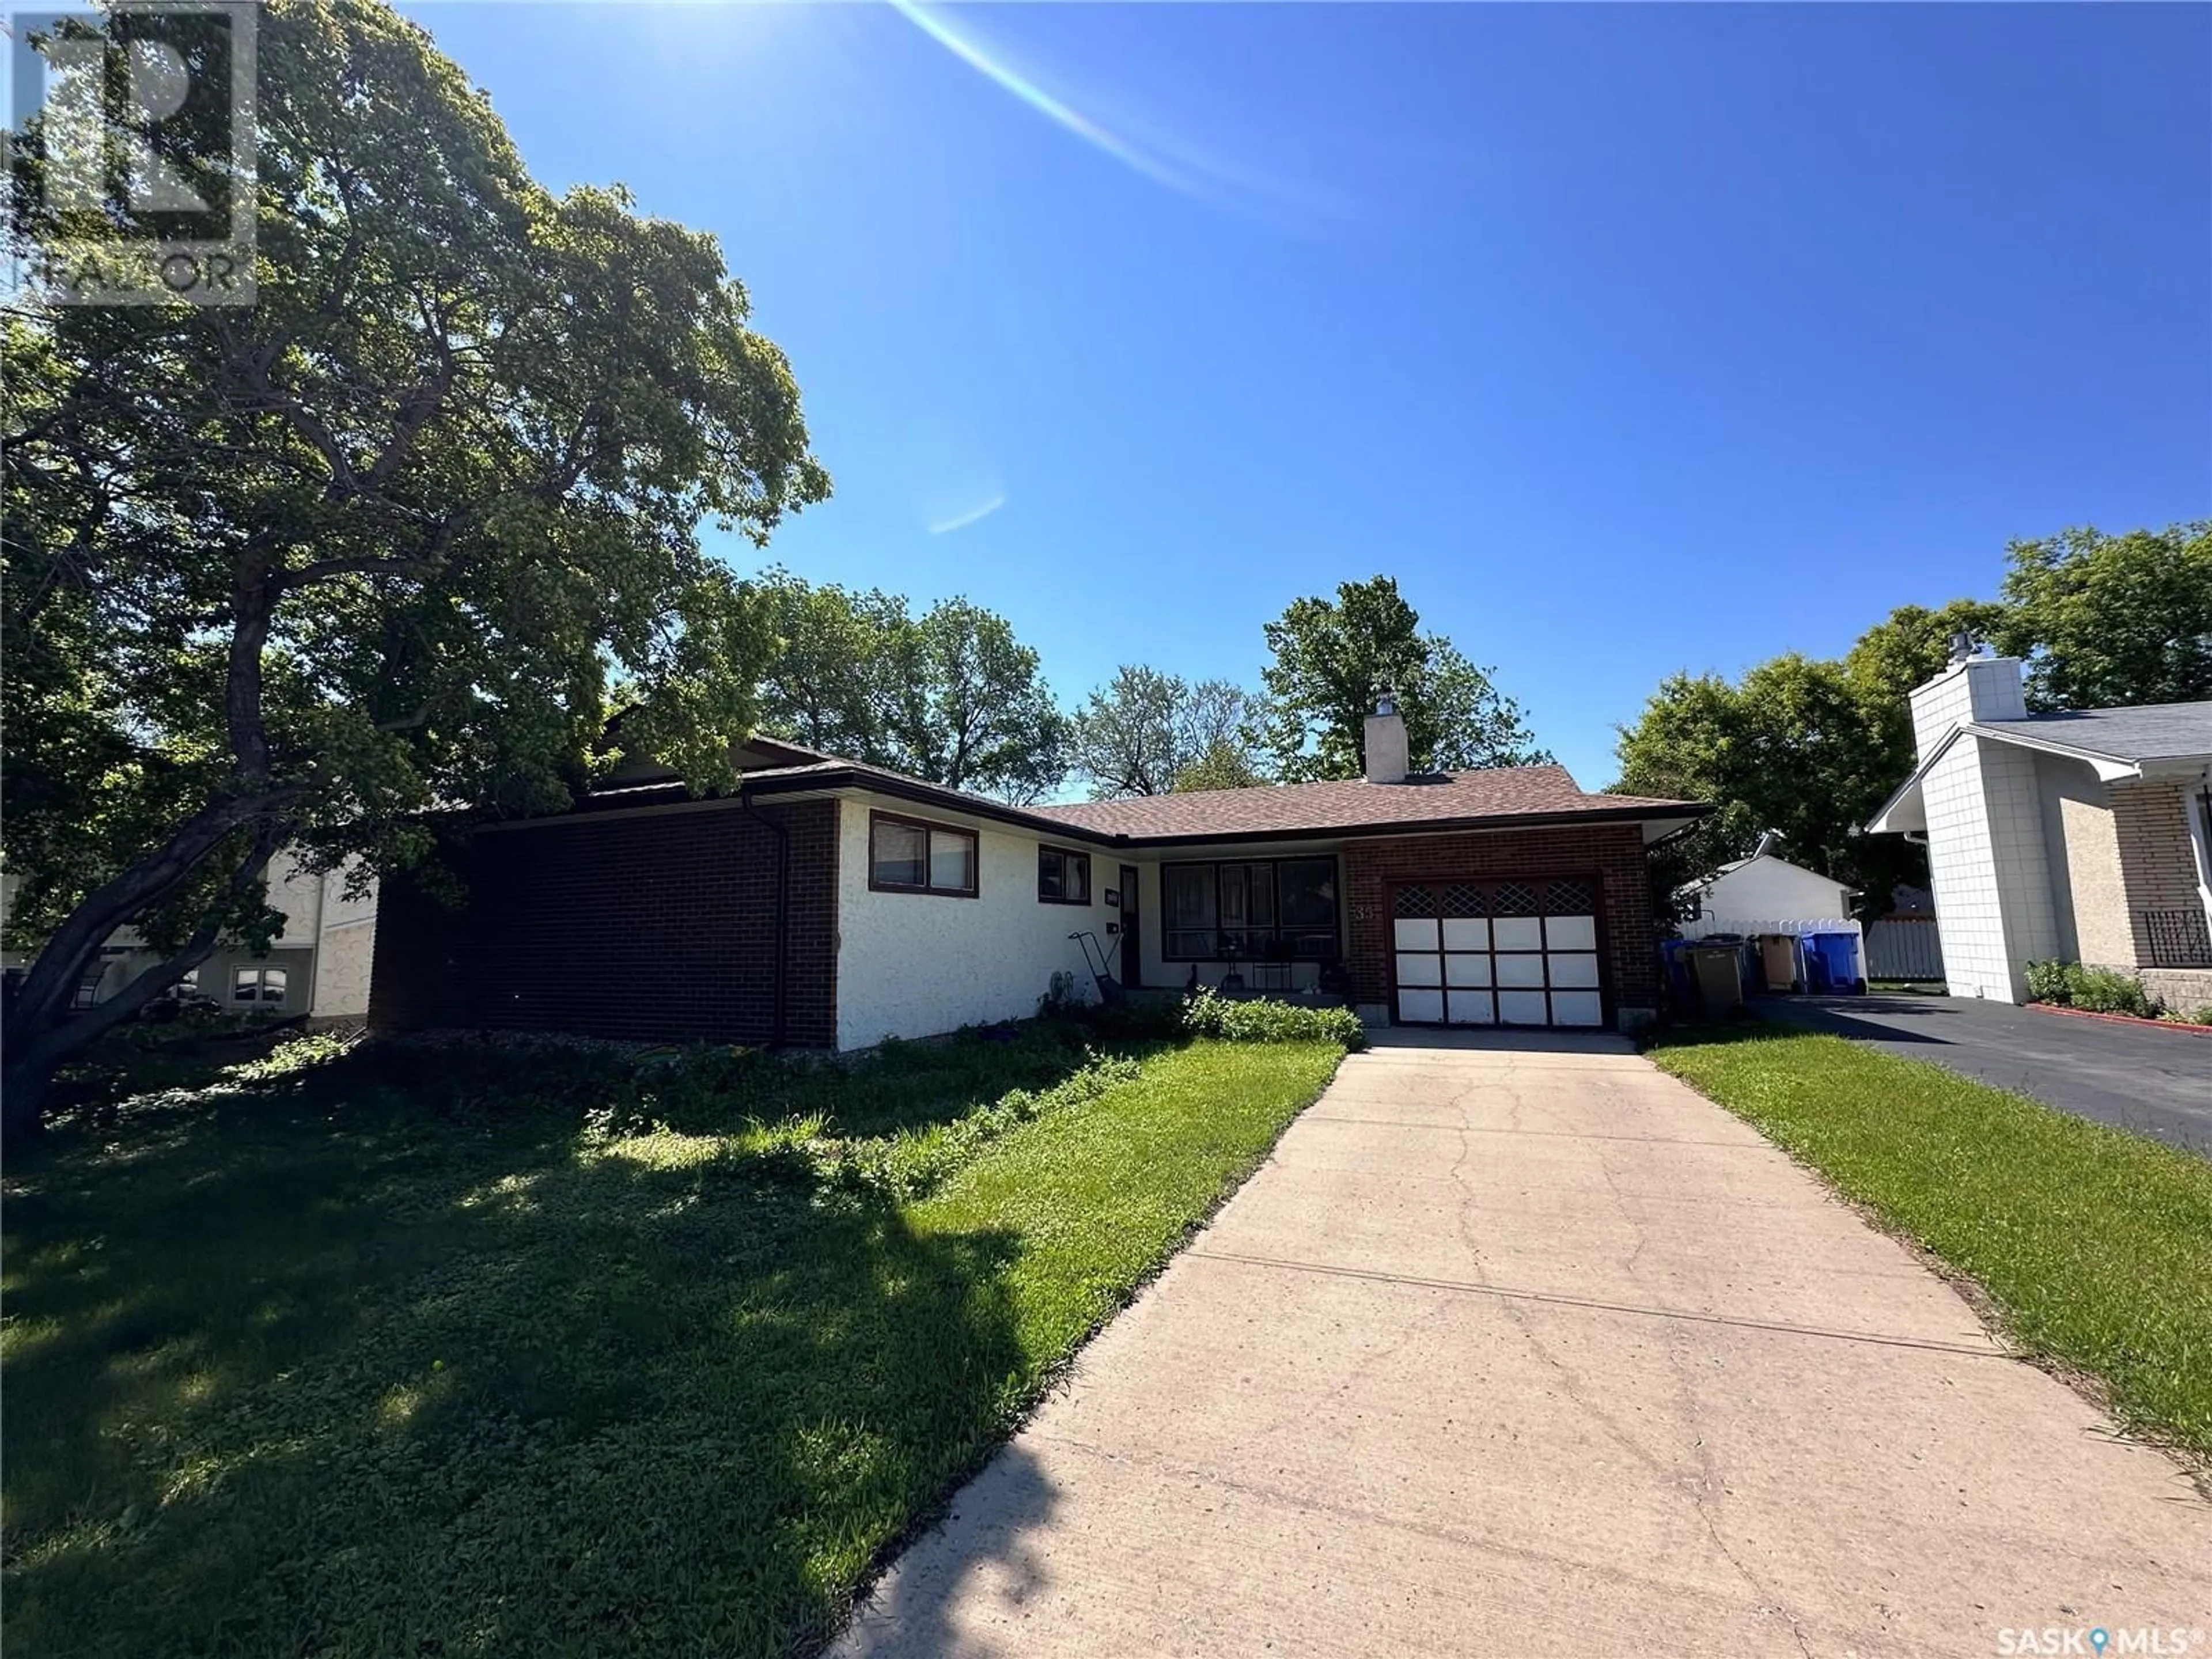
1773	889
915	964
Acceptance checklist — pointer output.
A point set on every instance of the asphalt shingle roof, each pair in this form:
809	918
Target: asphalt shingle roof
2158	731
1335	807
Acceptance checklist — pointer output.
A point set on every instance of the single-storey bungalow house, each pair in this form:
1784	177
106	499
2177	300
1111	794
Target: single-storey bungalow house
2084	836
829	903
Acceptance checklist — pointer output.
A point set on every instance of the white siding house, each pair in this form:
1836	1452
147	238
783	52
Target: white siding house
1764	894
317	964
2079	836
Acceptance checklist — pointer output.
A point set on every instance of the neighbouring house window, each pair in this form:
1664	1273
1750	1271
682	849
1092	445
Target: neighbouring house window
87	988
259	985
1063	877
907	855
1277	909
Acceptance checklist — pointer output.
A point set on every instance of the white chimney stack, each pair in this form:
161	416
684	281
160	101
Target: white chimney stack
1971	689
1385	744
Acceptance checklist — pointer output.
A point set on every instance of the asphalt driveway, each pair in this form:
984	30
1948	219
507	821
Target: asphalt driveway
1525	1347
2156	1083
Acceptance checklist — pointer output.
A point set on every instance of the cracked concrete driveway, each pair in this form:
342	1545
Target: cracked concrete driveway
1524	1346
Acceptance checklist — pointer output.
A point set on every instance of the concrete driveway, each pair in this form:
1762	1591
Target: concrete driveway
1529	1349
2156	1083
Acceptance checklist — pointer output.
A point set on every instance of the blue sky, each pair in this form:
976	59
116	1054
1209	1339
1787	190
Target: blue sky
1629	339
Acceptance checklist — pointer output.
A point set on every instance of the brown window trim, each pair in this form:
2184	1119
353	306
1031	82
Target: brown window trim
1088	899
925	825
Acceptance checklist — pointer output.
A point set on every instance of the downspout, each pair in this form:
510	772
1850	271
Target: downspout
782	834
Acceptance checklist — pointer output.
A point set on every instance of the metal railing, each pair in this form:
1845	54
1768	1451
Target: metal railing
2177	938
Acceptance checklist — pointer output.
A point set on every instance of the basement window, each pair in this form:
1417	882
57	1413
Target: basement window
259	985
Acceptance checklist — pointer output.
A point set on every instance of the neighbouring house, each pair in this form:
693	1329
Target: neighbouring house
1767	893
834	904
2079	836
317	964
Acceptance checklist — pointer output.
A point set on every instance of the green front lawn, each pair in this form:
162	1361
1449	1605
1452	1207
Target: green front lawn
2094	1245
476	1350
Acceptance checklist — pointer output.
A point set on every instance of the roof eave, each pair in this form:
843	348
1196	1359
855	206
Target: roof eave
2110	768
1684	814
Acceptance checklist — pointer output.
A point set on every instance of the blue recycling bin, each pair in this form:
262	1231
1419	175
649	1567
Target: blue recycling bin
1832	961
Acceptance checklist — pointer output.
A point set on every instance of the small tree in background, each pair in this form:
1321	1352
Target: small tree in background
1145	732
950	696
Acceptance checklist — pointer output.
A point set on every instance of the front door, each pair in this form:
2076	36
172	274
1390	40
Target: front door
1133	954
1519	952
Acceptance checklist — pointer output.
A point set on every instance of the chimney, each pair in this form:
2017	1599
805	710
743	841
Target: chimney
1385	744
1971	689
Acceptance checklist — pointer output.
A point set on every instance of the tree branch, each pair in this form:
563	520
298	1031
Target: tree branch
49	1046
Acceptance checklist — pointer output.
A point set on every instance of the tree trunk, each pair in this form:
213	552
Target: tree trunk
44	1035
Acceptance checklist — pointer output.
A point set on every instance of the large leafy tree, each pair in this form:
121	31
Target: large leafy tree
2110	621
1145	733
1124	740
831	683
1793	747
396	537
949	696
974	711
1334	658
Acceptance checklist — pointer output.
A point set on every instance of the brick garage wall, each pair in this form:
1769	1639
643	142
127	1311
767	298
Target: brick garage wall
1612	852
661	927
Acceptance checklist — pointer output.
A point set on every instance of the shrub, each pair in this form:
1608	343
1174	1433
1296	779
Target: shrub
2099	990
1207	1014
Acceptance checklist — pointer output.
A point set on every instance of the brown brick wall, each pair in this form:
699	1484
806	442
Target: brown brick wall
1612	852
661	927
2158	866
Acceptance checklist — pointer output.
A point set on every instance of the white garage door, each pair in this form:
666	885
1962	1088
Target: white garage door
1520	952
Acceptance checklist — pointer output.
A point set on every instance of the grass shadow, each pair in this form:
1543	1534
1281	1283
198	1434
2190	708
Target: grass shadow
398	1355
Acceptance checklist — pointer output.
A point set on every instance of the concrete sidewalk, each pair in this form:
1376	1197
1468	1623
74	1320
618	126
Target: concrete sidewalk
1523	1346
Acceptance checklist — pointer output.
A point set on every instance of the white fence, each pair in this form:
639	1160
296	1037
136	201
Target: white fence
1904	947
1798	928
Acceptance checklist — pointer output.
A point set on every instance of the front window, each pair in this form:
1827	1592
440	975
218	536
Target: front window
1271	909
1063	877
259	985
907	855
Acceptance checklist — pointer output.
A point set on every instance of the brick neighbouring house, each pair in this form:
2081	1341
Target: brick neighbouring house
829	903
2083	837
